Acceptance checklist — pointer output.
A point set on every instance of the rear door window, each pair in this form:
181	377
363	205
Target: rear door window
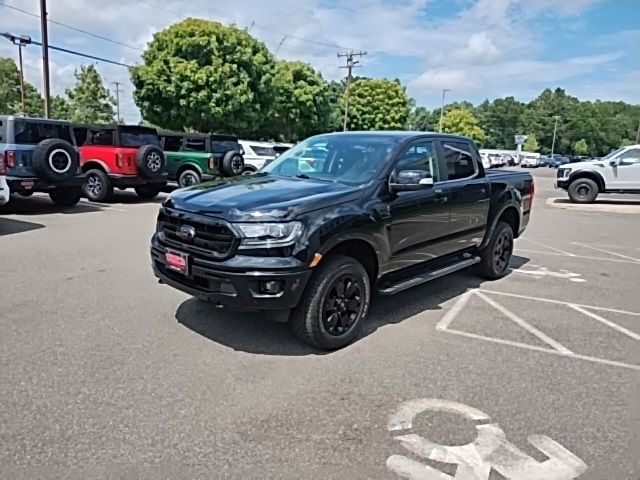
27	132
458	159
195	144
101	137
171	144
136	137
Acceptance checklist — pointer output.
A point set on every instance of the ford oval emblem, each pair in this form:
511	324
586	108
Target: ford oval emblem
186	232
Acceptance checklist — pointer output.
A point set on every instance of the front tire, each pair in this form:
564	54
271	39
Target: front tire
495	257
66	196
148	192
188	177
334	305
583	190
98	187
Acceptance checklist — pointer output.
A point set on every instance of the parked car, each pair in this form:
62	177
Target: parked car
40	156
496	160
5	195
530	161
121	156
486	162
194	157
618	172
557	161
309	248
256	154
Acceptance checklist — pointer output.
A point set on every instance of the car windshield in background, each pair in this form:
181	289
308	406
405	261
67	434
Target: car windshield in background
138	138
263	151
615	152
34	132
349	159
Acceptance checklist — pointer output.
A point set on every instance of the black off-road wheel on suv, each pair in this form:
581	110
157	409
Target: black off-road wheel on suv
149	191
334	305
98	187
66	196
232	164
583	190
495	257
150	161
55	160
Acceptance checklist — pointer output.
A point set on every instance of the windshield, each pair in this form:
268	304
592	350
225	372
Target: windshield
350	159
138	137
614	153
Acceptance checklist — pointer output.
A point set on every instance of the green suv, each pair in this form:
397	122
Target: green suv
195	157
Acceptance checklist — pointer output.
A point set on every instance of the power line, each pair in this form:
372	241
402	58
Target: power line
55	22
74	52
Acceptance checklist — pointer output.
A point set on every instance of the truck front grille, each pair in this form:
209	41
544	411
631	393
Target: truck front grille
213	239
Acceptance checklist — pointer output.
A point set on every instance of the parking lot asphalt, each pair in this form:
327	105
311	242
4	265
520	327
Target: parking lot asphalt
105	373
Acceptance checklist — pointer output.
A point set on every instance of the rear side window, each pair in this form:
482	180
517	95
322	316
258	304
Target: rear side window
172	144
459	161
137	137
101	137
195	145
27	133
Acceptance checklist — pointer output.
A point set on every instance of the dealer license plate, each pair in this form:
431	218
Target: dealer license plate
177	261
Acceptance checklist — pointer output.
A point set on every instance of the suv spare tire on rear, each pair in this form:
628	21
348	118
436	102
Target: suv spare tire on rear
55	160
232	163
150	161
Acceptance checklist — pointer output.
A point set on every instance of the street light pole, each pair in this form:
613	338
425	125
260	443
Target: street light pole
444	90
45	58
555	129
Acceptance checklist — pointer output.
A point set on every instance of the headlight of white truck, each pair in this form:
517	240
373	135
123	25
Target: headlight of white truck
268	235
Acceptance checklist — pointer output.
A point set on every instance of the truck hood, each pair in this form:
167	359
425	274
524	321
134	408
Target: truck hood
260	197
591	165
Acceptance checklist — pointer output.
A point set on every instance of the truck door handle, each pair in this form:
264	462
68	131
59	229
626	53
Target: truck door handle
442	199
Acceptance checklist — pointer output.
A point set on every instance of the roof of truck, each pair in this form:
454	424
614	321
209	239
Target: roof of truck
33	119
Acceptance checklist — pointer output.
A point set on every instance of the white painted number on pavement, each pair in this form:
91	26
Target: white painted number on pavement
475	461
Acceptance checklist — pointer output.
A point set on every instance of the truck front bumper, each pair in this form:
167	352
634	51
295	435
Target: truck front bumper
562	184
127	181
35	184
249	289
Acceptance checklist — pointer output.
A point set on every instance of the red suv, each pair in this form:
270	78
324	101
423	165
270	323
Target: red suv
120	156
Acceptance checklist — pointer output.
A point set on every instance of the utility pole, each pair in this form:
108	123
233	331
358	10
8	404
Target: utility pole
638	134
45	57
118	90
351	64
555	129
444	90
21	41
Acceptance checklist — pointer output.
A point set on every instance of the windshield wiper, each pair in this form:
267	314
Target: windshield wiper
304	176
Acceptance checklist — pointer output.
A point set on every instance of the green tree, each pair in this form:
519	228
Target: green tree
500	120
302	102
531	145
463	122
89	100
10	92
420	119
581	147
377	104
206	76
60	108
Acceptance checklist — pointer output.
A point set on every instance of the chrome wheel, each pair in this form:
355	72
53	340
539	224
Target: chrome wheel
94	186
154	162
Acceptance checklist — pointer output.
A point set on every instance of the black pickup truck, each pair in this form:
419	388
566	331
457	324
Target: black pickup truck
308	238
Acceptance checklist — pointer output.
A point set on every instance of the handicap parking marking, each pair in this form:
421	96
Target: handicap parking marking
554	347
489	452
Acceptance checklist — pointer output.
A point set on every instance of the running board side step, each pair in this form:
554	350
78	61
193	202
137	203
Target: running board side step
428	276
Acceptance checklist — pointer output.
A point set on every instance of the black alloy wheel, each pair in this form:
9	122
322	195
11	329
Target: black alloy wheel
342	305
502	251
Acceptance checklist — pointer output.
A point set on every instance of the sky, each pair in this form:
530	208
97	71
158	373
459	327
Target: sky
477	49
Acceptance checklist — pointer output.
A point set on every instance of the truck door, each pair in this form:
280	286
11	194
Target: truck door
469	194
419	219
626	174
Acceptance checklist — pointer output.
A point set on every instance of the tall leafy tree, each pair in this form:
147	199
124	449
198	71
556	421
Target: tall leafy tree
500	120
10	93
205	76
89	100
463	122
531	145
581	147
302	102
377	104
420	119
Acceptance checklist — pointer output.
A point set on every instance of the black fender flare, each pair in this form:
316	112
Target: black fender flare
496	219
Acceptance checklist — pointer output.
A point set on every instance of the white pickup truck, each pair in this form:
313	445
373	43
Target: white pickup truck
618	172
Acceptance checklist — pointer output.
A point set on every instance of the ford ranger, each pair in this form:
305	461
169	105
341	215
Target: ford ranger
309	241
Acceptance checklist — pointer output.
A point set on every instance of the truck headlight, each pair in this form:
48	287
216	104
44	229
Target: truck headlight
268	235
564	172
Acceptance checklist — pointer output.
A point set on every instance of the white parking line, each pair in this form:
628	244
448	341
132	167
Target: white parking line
548	246
606	322
577	256
453	311
529	328
102	206
637	260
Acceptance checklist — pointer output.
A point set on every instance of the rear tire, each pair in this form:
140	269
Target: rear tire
334	305
495	257
66	196
148	192
98	187
583	190
188	177
232	164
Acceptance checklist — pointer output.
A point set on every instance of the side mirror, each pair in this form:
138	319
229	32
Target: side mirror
613	163
411	180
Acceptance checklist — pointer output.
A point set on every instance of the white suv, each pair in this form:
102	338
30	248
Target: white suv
4	187
256	154
618	172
